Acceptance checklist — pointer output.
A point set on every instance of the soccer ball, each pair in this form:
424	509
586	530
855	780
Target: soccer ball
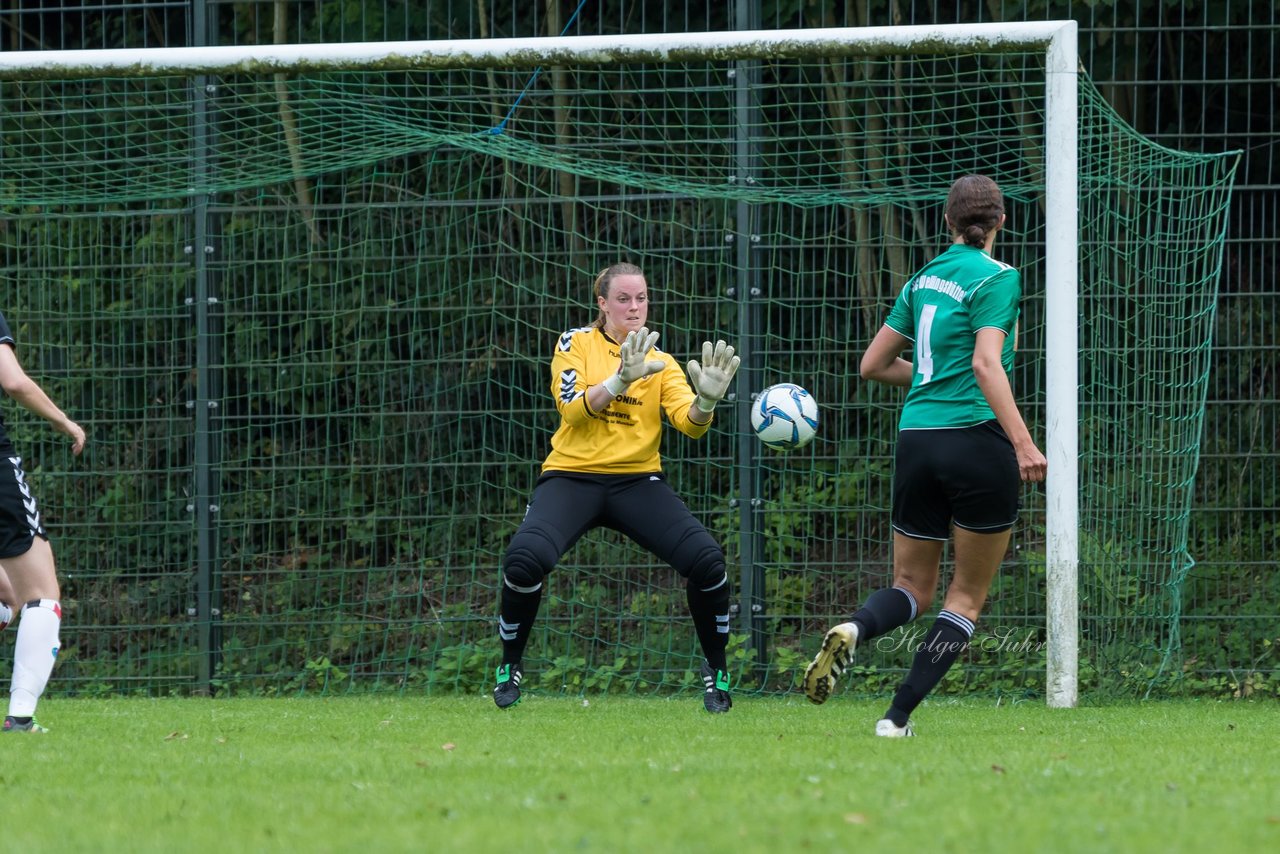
784	417
6	615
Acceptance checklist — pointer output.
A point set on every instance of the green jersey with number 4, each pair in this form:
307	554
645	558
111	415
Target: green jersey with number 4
941	310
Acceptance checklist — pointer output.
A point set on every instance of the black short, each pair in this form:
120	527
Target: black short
19	515
644	507
965	475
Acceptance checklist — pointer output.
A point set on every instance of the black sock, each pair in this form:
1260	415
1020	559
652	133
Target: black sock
515	620
884	611
942	646
710	612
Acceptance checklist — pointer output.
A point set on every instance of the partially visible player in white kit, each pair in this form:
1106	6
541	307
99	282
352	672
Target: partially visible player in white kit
28	576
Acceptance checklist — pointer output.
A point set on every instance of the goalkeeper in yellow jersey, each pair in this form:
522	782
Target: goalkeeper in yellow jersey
612	388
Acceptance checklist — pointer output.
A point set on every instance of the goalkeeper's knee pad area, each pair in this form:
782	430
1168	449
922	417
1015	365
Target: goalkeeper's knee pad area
706	572
521	572
530	555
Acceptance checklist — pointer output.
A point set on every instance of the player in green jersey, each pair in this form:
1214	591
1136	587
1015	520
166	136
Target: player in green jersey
963	449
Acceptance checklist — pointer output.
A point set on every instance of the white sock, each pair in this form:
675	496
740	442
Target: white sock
34	653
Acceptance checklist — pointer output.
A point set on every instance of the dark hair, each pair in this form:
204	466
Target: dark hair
606	277
974	208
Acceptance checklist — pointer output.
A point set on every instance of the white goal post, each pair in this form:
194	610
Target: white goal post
1056	39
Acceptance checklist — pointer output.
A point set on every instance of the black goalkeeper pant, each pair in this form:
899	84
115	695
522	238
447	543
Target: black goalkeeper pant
566	505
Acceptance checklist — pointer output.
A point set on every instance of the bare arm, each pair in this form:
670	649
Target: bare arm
994	383
883	363
23	389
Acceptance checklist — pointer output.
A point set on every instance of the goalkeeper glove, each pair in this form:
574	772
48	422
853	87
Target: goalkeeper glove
633	366
711	378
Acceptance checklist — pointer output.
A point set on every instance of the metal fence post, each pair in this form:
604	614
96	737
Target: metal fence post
751	600
208	609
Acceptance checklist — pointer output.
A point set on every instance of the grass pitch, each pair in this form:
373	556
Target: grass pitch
378	774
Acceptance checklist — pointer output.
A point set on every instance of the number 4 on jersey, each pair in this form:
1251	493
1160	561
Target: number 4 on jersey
924	355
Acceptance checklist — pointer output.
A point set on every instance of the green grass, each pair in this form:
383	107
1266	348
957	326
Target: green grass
378	774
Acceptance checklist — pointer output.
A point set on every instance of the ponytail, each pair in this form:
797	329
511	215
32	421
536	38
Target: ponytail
975	208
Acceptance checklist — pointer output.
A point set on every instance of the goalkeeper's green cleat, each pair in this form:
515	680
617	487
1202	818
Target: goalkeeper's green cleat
507	692
12	724
836	653
716	698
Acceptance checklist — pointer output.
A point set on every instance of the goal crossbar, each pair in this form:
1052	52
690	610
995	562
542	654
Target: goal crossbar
532	52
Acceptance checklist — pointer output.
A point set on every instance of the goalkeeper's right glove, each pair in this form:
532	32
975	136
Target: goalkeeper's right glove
633	365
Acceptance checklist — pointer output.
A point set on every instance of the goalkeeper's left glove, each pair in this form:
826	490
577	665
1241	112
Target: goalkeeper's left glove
711	378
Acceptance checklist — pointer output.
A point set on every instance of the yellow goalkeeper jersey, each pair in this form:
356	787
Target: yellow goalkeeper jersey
622	438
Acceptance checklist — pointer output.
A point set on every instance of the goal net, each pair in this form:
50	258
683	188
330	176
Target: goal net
307	304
